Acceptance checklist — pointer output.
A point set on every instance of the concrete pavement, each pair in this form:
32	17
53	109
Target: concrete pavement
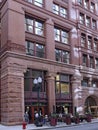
33	127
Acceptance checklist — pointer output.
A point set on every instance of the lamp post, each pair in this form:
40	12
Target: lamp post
37	82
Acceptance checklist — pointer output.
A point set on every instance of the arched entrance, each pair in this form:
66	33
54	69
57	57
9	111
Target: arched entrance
91	106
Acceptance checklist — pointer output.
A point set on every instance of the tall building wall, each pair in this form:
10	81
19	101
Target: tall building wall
35	41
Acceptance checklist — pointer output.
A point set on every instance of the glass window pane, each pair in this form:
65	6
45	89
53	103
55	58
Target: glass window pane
39	50
63	12
64	37
65	56
64	88
57	87
58	55
38	28
29	48
38	3
55	9
57	34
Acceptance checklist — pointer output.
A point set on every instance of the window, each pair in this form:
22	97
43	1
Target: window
94	84
91	62
87	21
29	25
92	7
38	28
80	2
62	83
57	34
35	49
84	82
95	44
59	10
96	63
34	26
83	40
93	24
29	77
89	42
84	60
62	56
61	35
82	20
36	2
86	4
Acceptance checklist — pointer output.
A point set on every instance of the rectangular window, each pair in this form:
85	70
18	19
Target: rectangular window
65	57
91	62
57	34
29	78
38	3
96	63
93	24
35	49
40	51
60	10
63	12
29	25
84	60
34	26
95	44
62	56
84	82
64	37
82	20
88	22
92	7
55	9
61	35
80	2
83	40
89	42
29	48
58	55
86	4
62	84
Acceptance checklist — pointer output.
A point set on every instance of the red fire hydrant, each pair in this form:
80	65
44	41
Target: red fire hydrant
24	125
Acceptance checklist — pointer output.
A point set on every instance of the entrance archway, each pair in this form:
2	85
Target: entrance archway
91	106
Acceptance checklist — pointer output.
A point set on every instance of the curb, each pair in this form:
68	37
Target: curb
52	127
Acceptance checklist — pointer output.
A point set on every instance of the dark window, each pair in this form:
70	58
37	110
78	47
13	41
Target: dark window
35	49
91	62
84	60
84	82
62	56
82	19
92	7
29	77
89	42
83	40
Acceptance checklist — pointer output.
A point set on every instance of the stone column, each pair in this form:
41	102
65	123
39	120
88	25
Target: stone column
50	44
77	92
12	93
51	92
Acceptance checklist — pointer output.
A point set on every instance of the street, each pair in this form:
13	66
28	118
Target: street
80	127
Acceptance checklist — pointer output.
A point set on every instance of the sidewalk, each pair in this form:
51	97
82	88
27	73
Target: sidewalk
33	127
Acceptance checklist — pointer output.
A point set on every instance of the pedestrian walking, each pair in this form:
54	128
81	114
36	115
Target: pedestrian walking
26	116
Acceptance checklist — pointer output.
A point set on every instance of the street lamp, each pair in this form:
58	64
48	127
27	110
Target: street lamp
37	82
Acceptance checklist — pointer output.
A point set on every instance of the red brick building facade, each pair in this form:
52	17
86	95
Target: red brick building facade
56	40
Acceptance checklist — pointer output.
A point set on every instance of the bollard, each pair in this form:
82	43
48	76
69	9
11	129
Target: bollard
24	125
